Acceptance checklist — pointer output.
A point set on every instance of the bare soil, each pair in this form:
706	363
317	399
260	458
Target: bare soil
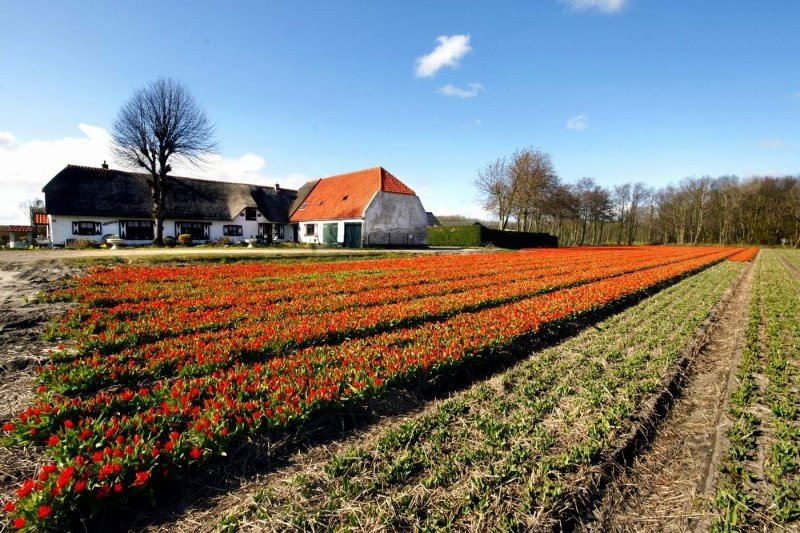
670	484
22	322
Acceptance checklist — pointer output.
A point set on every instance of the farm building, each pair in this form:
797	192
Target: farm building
90	203
370	207
360	208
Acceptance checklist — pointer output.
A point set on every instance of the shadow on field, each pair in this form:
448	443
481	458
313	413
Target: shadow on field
248	458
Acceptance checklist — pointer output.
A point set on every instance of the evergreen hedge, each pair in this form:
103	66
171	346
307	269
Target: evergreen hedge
479	235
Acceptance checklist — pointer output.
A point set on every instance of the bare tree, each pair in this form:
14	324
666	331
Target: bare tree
497	190
161	123
29	207
535	181
622	198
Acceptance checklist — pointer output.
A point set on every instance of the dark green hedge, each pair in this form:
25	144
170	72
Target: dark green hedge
454	236
478	235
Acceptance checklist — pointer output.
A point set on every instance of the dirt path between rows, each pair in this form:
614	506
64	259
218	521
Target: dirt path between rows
22	322
789	266
670	484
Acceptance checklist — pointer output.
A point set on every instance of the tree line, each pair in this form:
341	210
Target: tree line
526	194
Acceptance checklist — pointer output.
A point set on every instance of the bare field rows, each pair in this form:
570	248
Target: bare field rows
759	482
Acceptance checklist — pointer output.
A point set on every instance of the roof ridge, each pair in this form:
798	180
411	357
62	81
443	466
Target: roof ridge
205	180
363	170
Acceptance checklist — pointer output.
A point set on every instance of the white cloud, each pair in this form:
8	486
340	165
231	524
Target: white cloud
448	53
603	6
578	123
7	139
795	95
457	92
478	122
248	168
445	206
772	143
26	166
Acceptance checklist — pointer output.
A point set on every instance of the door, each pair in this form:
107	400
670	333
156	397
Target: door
352	234
265	232
330	233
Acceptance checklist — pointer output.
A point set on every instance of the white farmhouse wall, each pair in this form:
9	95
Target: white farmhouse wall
395	219
317	237
61	228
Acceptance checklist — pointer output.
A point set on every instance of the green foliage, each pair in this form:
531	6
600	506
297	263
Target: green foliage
769	378
479	235
84	244
454	236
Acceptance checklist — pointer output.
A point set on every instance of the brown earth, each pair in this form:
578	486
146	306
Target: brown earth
670	484
22	322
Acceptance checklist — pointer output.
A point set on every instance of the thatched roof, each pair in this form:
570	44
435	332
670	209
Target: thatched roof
89	191
302	194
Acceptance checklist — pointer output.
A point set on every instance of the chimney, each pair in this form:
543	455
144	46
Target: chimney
277	187
105	165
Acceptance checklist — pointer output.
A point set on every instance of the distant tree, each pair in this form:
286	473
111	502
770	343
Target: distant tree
583	193
518	187
29	207
497	191
536	184
160	124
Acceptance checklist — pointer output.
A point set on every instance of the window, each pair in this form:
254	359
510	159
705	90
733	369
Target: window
250	213
196	229
86	227
280	231
303	206
309	230
136	230
232	231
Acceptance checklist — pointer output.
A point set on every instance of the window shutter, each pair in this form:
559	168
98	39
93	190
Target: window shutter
206	230
123	229
98	230
74	228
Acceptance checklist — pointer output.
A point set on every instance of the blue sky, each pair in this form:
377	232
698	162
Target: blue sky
619	90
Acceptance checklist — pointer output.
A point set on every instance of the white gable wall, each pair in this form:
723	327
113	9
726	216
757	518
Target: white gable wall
395	219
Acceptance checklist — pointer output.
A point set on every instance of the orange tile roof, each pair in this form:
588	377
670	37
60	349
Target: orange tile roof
347	195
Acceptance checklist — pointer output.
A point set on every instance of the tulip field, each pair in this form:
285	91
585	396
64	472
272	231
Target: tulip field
759	485
163	368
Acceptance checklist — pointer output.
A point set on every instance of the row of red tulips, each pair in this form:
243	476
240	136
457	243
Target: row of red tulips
261	336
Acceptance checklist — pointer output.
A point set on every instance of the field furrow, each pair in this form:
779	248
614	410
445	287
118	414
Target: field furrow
759	479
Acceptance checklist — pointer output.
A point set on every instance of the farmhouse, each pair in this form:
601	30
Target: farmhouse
369	207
